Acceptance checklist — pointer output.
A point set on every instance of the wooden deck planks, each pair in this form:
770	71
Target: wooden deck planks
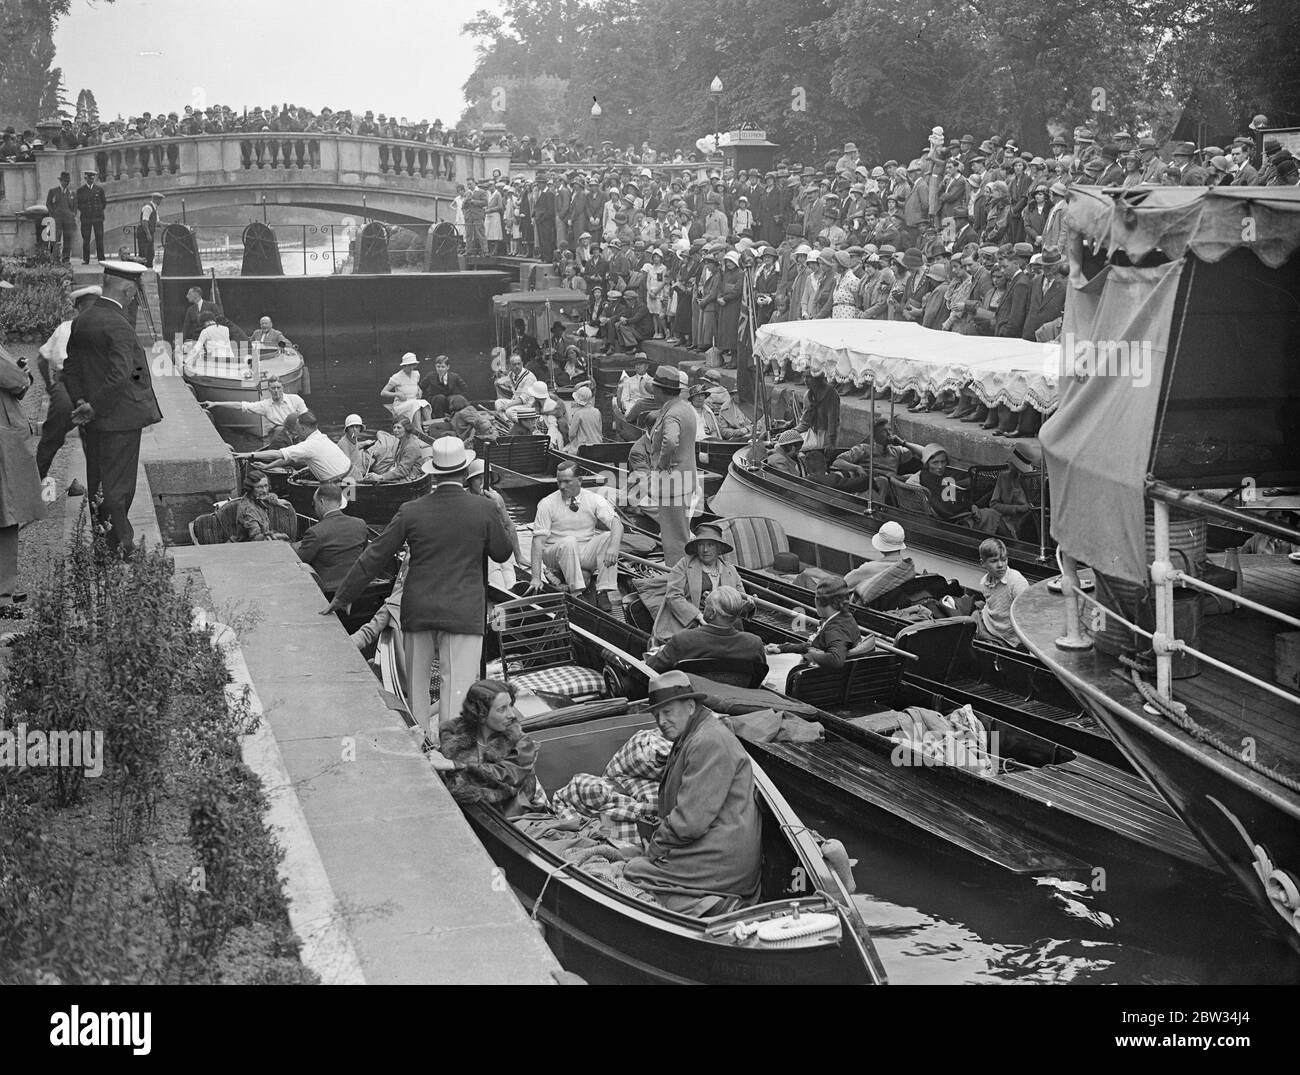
870	777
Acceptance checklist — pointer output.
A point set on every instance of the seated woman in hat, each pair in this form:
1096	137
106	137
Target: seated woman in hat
836	634
705	854
698	573
584	421
717	636
494	761
949	496
1014	495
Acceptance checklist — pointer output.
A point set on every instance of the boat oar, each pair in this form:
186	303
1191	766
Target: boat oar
771	606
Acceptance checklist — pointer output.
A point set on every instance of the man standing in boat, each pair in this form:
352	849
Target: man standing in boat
450	533
672	450
147	229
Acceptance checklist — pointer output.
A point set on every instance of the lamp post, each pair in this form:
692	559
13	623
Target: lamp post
715	89
596	112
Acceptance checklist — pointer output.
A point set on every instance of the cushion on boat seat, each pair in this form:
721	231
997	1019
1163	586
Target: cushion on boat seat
565	680
756	540
810	576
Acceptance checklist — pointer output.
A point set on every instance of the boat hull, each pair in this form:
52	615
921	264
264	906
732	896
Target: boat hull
1252	831
825	516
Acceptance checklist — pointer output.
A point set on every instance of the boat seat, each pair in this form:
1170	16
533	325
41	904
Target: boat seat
984	478
756	540
218	526
911	497
727	670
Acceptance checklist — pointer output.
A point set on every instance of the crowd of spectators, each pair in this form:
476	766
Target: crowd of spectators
969	236
286	118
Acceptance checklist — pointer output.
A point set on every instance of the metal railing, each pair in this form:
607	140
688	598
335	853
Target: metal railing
1166	579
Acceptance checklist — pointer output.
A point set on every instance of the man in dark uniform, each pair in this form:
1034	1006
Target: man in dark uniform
91	201
61	204
107	378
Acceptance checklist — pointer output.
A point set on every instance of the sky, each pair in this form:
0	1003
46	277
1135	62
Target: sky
403	56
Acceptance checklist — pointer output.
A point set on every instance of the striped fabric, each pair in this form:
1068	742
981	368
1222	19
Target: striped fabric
756	540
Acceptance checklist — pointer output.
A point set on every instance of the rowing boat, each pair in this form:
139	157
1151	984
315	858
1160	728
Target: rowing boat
803	930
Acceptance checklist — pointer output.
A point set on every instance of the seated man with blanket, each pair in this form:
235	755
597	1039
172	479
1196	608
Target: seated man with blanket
705	854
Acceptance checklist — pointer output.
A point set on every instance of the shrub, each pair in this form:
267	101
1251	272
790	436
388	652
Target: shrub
38	301
112	646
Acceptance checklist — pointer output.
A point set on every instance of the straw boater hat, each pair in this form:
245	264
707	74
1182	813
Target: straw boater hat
889	538
670	687
708	532
450	456
1026	458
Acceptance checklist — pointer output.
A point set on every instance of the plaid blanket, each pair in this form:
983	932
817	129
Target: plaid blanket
628	790
566	680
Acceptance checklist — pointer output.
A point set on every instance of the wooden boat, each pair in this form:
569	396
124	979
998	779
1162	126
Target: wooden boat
589	920
1215	729
1044	807
218	381
376	502
825	515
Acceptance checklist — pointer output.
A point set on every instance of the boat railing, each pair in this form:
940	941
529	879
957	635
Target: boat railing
1166	579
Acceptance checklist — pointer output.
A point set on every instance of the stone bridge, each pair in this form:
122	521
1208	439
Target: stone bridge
382	179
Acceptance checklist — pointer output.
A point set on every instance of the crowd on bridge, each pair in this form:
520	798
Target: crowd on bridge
288	118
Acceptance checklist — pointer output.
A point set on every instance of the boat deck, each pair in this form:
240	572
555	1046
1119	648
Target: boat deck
873	779
1225	706
1122	802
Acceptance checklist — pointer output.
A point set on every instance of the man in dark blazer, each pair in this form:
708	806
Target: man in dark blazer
1010	320
194	311
108	381
332	546
449	533
61	204
91	203
440	385
1046	296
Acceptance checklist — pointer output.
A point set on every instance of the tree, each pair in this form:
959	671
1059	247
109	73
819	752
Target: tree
29	84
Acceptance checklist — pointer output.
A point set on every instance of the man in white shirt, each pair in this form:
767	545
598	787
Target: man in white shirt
58	420
326	460
567	541
635	388
274	410
518	381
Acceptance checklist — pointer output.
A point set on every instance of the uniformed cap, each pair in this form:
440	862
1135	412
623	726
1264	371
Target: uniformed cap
82	292
126	270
